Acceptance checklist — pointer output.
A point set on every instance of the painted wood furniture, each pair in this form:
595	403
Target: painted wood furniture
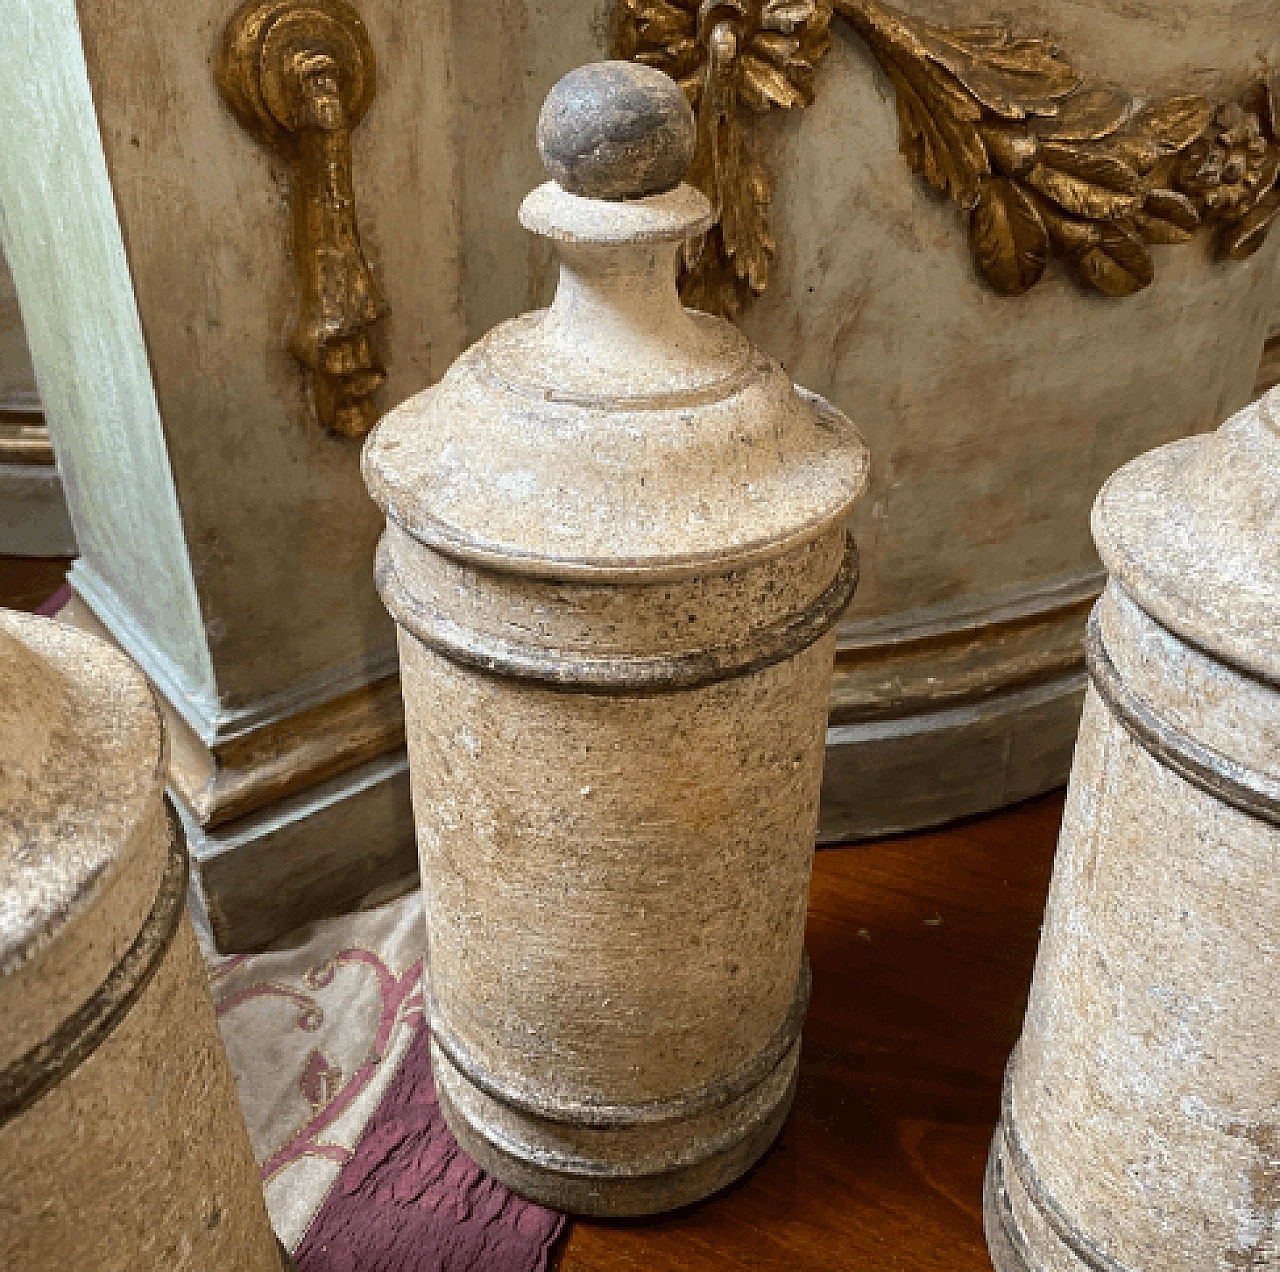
224	533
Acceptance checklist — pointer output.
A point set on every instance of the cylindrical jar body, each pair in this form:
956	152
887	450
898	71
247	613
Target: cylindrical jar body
122	1145
1139	1126
616	879
139	1159
616	551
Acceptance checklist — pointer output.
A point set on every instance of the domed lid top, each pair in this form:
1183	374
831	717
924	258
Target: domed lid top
507	476
615	434
80	760
1192	532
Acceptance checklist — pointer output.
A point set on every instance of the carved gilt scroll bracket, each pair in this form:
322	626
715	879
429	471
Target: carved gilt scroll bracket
1042	166
299	75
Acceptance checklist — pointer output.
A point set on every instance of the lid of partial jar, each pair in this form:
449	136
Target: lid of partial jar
81	746
1192	532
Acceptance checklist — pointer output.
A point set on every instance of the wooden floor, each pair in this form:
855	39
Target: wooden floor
922	949
27	582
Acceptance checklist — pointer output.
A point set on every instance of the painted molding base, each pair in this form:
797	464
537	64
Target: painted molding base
956	709
33	512
924	770
292	817
308	857
250	770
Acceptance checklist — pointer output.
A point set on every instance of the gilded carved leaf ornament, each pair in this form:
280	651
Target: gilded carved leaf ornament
1000	125
754	53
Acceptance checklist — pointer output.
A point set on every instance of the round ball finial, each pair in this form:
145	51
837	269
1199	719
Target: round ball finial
616	130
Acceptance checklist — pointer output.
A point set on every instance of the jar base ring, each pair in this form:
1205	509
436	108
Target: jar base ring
618	1182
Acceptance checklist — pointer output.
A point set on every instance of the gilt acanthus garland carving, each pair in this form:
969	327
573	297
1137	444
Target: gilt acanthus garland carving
753	53
1000	125
300	75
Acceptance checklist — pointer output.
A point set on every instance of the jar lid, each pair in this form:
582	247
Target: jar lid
502	476
1191	531
615	435
83	845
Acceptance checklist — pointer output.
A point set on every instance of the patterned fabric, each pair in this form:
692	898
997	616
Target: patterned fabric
315	1029
326	1036
411	1201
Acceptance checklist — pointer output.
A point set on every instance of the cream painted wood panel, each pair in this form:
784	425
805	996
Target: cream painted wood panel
280	531
994	420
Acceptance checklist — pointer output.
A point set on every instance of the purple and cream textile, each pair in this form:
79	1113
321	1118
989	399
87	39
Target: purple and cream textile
326	1035
411	1201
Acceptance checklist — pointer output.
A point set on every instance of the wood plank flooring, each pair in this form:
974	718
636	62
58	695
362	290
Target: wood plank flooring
27	582
922	949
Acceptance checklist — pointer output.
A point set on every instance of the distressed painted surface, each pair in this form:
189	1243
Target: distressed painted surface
997	420
873	292
615	886
1148	1085
506	55
616	855
1205	700
1145	1091
135	1156
994	421
139	1159
63	243
278	527
1192	531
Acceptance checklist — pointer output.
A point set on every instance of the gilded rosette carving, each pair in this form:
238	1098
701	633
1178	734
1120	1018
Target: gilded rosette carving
1043	165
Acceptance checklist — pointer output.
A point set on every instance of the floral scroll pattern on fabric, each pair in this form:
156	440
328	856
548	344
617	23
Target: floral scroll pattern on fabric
315	1033
1003	126
327	1039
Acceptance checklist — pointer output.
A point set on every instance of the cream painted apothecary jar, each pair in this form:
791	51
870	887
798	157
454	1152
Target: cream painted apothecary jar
1141	1107
122	1146
616	548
